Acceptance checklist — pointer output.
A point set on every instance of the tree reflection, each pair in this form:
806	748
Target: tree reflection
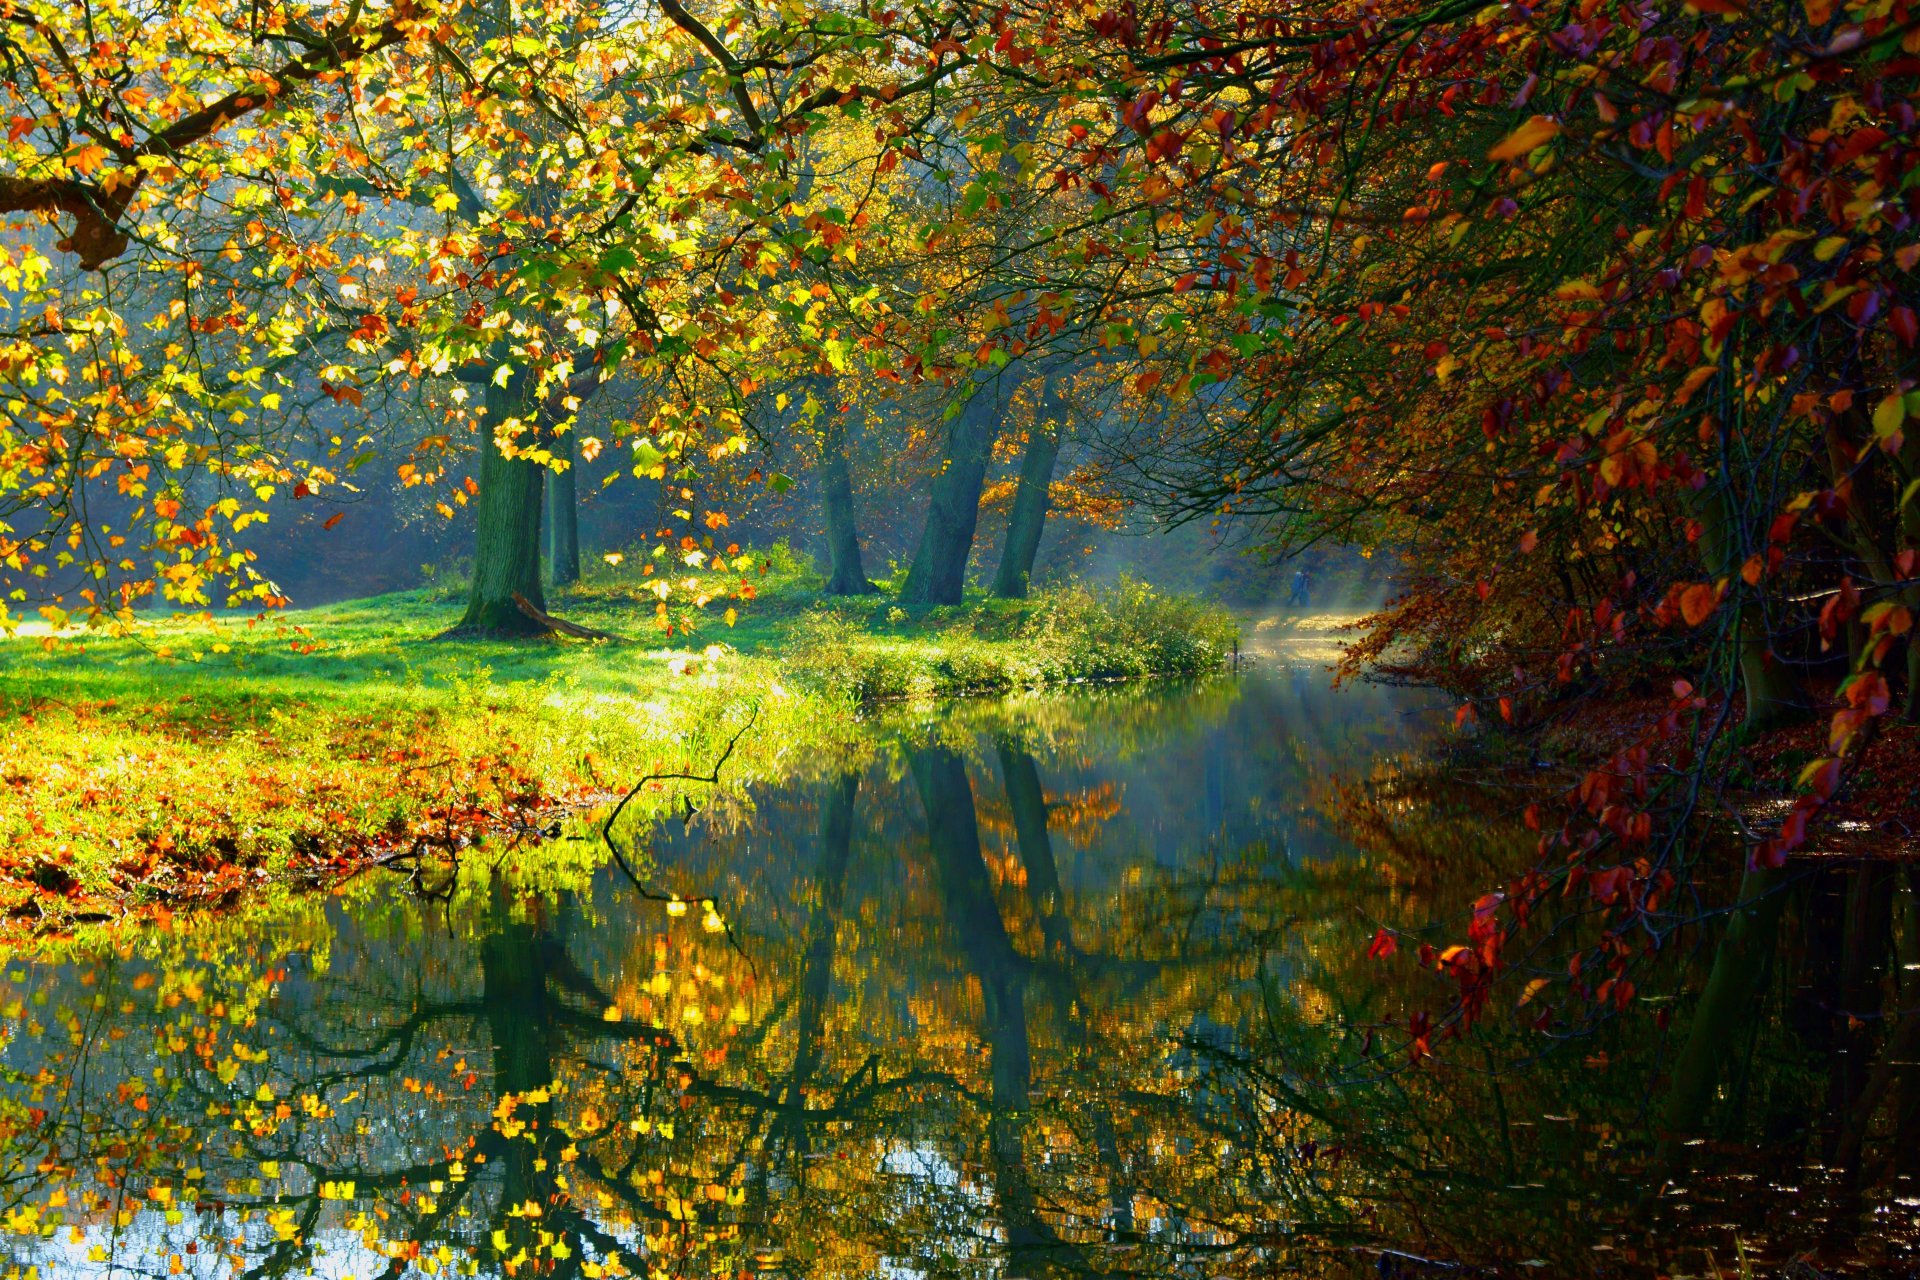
1004	1003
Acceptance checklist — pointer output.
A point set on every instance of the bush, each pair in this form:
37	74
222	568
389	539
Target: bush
1124	631
1129	629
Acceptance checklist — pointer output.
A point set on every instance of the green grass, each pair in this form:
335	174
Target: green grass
196	758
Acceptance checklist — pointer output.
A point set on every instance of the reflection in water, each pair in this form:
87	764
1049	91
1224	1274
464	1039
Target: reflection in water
1074	986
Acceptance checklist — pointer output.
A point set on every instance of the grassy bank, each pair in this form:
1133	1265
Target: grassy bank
193	759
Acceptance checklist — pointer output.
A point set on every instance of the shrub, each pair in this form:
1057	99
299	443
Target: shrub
1128	629
1123	631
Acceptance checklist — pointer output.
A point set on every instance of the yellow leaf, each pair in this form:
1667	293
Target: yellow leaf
1829	248
1521	141
1533	989
1888	415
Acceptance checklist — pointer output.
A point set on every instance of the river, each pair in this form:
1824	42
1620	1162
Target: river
1074	984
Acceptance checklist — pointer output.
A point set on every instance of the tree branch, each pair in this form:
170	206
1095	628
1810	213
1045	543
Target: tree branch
97	207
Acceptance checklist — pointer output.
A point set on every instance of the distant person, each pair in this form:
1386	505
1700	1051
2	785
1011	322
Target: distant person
1298	596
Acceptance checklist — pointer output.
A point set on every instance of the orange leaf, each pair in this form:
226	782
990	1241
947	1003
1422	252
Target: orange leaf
1697	603
88	158
1533	133
334	519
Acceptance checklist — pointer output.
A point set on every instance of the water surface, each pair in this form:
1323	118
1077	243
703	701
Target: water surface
1073	985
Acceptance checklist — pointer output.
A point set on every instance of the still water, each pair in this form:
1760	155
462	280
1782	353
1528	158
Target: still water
1073	985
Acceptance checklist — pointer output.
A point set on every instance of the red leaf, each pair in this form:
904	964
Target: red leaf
1382	946
1904	325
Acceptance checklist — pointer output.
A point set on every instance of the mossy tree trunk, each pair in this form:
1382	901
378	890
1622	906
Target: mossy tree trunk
847	574
939	572
506	554
563	516
1029	518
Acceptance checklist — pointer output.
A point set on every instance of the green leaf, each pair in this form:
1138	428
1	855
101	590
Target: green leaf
647	457
618	259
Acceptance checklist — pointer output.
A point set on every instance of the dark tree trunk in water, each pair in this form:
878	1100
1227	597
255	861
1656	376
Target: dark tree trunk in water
1729	1000
1866	950
848	576
506	554
973	914
563	516
789	1131
953	832
939	573
520	1024
1029	516
1028	800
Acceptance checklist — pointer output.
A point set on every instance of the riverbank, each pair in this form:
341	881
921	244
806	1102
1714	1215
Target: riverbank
193	760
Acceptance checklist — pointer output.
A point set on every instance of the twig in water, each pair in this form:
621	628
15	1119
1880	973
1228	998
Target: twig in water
712	778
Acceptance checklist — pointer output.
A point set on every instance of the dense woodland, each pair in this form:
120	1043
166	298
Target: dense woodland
1595	321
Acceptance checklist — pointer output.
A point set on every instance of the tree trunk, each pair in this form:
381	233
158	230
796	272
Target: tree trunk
506	557
1728	1001
1773	693
1029	516
563	516
939	572
847	577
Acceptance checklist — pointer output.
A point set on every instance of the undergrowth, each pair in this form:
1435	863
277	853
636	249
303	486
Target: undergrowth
1058	636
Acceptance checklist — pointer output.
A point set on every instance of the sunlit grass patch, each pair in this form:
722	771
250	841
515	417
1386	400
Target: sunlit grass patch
193	758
